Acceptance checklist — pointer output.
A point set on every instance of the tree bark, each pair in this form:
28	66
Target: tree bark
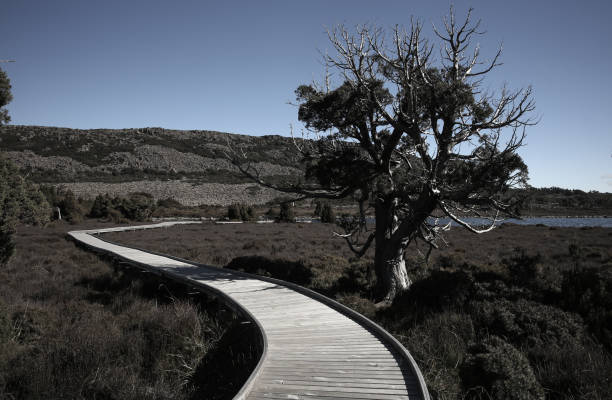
389	263
390	266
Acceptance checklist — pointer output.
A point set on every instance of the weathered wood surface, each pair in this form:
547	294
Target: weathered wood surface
314	348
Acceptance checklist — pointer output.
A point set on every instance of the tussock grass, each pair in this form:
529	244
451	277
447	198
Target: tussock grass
74	326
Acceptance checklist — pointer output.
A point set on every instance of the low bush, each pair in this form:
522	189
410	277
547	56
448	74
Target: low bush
588	291
102	206
494	369
241	212
523	269
135	207
528	324
441	290
439	344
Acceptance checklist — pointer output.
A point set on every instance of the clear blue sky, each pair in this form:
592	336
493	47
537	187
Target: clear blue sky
232	66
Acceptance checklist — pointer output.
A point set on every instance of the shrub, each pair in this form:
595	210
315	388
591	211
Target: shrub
69	206
20	201
495	369
240	212
137	207
528	324
523	269
101	207
291	271
588	291
439	344
327	214
286	213
441	290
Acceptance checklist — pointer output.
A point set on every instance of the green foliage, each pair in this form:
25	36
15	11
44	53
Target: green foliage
5	97
286	213
240	212
137	206
494	369
20	201
71	208
102	206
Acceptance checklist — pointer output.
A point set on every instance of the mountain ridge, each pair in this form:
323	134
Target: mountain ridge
190	166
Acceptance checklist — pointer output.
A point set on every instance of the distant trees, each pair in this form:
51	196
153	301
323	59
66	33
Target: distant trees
136	206
20	201
286	213
5	97
325	211
240	212
410	138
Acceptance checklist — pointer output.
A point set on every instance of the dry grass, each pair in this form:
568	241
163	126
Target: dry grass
73	326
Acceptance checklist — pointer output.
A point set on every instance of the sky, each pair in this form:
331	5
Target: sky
233	66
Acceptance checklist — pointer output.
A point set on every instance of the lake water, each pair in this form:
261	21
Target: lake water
562	222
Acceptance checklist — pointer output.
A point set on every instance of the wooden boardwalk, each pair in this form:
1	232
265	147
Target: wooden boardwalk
314	348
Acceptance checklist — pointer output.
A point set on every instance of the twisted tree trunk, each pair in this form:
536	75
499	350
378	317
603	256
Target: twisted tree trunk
390	267
389	263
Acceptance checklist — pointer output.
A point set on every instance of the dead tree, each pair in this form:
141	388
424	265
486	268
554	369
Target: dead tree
412	137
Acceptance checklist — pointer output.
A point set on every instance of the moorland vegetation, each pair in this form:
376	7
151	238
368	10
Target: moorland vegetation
73	325
520	313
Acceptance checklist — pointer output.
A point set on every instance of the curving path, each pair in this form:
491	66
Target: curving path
314	348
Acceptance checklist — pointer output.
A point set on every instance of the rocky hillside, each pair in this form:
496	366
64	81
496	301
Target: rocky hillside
190	166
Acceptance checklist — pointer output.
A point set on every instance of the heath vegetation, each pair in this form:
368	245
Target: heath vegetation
74	326
523	312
